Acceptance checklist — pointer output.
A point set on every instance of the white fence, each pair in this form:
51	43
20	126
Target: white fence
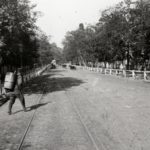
29	75
134	74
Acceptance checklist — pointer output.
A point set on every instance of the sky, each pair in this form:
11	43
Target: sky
61	16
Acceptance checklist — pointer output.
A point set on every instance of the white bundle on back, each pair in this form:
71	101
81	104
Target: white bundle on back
9	80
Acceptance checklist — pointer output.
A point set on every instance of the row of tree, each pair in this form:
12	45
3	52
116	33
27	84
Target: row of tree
121	34
22	43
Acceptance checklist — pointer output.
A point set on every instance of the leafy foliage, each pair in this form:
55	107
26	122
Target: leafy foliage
47	51
122	32
22	43
17	32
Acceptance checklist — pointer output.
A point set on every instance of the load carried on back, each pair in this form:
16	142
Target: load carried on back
53	64
10	80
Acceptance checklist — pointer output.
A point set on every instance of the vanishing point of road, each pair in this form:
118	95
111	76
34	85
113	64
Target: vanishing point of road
79	110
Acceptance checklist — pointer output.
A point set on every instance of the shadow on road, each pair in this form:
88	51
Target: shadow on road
33	107
36	106
49	84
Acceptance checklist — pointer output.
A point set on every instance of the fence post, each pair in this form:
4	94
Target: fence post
110	71
124	73
97	69
133	74
0	88
101	70
116	72
145	75
0	85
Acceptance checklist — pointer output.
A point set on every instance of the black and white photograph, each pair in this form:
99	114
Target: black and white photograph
74	74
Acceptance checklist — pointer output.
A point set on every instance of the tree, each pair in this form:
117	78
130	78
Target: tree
122	33
47	51
17	29
78	45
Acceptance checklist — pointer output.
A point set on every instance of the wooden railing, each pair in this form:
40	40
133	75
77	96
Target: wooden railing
134	74
28	75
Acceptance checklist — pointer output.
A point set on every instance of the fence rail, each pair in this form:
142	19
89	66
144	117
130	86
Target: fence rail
28	75
134	74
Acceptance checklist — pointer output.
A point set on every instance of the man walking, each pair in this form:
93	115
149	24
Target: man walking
16	92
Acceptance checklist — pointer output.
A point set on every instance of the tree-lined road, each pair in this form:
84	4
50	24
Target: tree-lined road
81	110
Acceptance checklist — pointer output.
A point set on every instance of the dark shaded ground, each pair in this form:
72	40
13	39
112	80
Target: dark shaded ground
47	82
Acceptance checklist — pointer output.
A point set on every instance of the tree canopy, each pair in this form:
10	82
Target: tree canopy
122	33
21	41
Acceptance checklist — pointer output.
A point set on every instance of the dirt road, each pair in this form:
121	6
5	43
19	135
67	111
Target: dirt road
80	110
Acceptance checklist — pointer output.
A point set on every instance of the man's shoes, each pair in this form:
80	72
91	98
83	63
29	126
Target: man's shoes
9	112
25	110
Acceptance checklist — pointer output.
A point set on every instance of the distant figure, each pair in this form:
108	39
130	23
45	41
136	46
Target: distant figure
53	64
13	89
64	65
72	67
107	65
121	66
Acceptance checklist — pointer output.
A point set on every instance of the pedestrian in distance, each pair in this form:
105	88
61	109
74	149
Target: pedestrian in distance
13	89
53	64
